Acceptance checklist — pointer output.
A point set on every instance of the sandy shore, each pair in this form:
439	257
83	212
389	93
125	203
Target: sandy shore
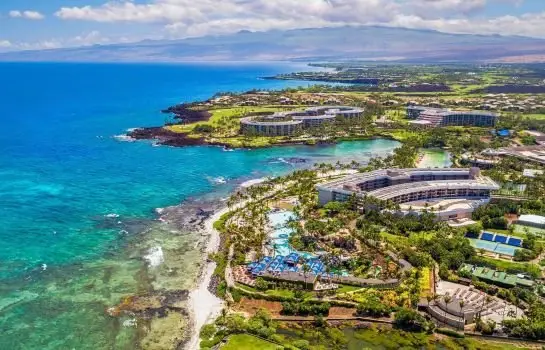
203	305
252	182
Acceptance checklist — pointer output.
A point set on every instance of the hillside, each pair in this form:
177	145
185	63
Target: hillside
364	42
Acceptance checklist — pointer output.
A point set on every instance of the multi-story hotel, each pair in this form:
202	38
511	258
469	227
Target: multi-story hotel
289	123
455	192
437	117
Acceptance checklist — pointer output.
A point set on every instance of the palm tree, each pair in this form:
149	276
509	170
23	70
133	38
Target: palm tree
486	301
429	298
447	299
462	304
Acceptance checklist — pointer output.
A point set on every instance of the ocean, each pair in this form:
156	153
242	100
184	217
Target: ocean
78	228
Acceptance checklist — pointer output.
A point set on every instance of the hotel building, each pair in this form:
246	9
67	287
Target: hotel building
290	123
455	192
438	117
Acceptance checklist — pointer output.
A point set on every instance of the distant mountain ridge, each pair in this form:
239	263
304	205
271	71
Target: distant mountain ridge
332	43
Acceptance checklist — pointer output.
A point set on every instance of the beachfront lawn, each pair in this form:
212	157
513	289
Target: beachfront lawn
247	342
241	141
343	288
284	293
399	134
224	118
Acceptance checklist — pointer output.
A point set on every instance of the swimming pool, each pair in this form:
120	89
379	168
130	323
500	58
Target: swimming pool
280	234
493	246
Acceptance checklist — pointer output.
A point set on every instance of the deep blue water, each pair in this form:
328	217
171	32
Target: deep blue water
61	172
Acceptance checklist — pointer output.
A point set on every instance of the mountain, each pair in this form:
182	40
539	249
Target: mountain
336	43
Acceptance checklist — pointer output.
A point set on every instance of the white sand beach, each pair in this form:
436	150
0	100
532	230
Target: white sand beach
203	305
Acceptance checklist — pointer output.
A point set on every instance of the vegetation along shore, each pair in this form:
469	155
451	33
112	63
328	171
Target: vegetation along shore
438	244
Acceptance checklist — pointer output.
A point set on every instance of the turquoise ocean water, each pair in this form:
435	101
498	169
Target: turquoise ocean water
77	205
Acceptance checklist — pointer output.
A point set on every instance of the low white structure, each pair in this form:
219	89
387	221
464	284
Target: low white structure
532	173
532	221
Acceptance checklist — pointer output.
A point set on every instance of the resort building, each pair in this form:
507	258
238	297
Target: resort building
289	269
534	154
438	117
415	189
479	162
532	221
292	122
498	278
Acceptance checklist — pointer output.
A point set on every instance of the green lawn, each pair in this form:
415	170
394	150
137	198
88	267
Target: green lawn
519	230
285	293
223	113
425	285
535	116
343	288
247	342
507	265
395	239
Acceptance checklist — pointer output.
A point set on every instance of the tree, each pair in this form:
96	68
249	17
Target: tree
261	284
462	304
447	299
410	320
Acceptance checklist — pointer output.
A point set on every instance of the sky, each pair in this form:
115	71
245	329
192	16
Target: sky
46	24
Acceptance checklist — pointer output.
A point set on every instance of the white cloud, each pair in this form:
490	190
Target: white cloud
34	15
183	18
84	39
15	14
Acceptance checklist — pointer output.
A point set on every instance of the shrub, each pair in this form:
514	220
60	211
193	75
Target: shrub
411	320
374	309
236	295
207	331
301	344
203	128
449	332
261	284
305	308
485	327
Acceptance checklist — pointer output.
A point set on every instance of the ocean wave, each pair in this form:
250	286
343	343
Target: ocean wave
155	256
124	138
219	180
252	182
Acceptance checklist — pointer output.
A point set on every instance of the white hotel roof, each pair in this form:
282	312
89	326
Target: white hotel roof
348	183
358	178
481	183
533	218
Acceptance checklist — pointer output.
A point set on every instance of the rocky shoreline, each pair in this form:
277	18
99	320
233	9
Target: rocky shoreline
165	137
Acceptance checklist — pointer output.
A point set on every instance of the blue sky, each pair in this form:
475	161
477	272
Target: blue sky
38	24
